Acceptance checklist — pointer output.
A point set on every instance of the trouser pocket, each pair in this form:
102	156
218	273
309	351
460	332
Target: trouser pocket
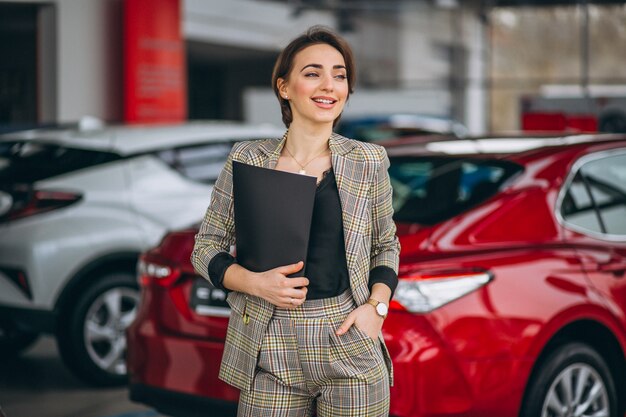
355	355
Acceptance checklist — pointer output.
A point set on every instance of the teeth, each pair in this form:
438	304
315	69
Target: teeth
321	100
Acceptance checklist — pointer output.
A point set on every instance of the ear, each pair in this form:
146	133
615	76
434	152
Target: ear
281	84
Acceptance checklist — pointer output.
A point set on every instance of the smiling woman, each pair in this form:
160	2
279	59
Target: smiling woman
298	346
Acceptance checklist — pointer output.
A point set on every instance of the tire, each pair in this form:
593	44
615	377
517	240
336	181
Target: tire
574	365
14	341
92	334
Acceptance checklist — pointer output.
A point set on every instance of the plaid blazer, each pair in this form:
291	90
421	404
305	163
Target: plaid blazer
369	232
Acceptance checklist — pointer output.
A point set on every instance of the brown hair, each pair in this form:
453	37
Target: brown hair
284	63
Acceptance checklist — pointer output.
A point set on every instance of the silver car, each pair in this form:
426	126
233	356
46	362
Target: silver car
77	206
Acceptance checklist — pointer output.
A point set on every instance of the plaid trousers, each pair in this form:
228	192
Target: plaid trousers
304	367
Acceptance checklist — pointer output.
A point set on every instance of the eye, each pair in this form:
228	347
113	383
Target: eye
310	74
341	77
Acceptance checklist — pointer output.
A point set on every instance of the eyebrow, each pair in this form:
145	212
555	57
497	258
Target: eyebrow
318	66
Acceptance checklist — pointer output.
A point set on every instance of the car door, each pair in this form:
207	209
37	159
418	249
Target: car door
594	212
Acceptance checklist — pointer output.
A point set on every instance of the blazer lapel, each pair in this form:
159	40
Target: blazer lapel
267	153
350	174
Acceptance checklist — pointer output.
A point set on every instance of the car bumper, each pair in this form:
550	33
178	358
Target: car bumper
178	364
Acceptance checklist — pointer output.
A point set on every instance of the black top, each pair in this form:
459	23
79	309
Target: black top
326	266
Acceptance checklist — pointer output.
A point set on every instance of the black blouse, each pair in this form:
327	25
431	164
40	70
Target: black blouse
326	266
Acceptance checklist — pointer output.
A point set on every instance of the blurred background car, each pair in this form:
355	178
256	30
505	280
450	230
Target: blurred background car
383	127
511	300
77	206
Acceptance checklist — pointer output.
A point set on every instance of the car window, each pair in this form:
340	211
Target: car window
379	133
382	128
577	207
198	163
607	182
596	198
29	161
428	190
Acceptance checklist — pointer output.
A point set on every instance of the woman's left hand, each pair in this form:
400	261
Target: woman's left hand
365	319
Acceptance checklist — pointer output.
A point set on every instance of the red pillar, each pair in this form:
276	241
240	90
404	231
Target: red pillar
155	78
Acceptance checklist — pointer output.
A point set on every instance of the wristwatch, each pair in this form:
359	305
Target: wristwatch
381	308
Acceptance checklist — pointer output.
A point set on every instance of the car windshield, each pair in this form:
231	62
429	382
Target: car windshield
429	190
28	161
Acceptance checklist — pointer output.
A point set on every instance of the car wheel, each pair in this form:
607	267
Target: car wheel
92	340
13	341
574	381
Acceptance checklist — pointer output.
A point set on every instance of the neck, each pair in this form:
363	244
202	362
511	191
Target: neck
304	141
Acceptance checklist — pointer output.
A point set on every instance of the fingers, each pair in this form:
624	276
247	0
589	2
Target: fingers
282	291
290	297
347	323
290	269
299	293
293	300
297	282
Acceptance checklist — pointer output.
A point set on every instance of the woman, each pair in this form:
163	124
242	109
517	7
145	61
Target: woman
299	345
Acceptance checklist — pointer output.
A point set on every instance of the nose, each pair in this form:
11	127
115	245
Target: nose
327	83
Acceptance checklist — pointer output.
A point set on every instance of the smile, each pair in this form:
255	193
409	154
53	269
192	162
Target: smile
324	100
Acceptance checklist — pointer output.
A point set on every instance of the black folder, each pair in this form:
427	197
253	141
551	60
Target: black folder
273	213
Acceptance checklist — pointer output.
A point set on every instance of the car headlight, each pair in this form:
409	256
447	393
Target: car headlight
425	292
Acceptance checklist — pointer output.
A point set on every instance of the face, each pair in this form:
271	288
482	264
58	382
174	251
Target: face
317	85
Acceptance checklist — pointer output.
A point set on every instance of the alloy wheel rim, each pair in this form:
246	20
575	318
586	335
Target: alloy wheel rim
105	328
577	391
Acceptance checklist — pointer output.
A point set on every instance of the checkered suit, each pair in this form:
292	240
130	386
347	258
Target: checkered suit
370	238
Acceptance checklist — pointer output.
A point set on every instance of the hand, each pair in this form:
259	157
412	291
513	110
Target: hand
365	319
275	287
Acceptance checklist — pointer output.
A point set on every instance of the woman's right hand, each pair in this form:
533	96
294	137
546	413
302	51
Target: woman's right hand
275	287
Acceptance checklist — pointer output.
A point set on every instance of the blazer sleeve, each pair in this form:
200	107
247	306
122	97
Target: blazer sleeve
385	249
217	230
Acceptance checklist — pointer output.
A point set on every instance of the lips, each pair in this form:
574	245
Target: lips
325	102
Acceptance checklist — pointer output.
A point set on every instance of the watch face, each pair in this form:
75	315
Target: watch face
381	309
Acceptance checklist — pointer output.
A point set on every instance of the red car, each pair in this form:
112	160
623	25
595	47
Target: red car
512	293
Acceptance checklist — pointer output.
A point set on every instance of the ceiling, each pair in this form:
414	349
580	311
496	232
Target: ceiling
516	3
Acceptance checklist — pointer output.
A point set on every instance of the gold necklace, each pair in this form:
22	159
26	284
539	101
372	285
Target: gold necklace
302	167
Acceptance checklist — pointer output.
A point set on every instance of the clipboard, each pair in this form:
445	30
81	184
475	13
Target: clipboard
273	214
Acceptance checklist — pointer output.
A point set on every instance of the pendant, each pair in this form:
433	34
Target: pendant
302	172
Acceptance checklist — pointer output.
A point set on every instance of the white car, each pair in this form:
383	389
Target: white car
77	207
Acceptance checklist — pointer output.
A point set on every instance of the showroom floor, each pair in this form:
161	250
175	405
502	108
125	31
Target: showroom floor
37	384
